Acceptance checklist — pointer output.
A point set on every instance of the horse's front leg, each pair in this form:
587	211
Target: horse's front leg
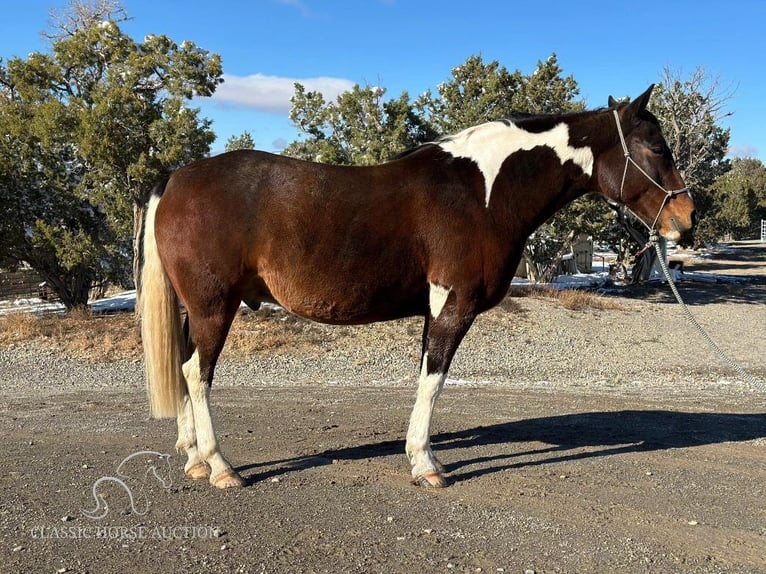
426	469
442	335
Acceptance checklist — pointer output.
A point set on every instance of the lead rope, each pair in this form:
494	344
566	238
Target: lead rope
750	379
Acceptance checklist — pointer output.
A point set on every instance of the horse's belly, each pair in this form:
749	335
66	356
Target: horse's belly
346	303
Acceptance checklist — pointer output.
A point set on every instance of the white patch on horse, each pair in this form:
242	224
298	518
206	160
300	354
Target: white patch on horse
437	298
488	145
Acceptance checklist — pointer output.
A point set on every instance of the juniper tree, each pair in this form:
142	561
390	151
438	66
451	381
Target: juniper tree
89	127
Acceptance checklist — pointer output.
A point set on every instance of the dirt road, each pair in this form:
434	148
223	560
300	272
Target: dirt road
545	477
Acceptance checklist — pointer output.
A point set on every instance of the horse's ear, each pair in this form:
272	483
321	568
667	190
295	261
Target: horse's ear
639	104
612	103
632	111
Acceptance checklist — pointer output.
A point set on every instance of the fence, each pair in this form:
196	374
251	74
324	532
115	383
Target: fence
27	283
763	230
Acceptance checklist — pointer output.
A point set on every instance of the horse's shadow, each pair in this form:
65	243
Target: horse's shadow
568	437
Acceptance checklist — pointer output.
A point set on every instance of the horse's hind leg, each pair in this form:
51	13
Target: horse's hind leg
195	467
208	334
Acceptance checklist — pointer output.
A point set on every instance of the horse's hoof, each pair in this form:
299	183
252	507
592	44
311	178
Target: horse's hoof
430	480
199	471
228	479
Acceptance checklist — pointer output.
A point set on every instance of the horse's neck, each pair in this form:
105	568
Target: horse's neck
519	211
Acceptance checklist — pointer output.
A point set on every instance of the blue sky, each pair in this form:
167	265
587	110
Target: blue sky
610	47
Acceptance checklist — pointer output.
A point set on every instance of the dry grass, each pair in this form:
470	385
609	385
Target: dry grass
270	331
572	299
77	334
266	332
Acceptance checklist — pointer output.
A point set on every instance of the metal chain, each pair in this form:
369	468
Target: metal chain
750	379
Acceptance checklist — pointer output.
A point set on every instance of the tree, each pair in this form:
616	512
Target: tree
360	128
243	141
479	92
740	196
89	128
363	128
476	93
45	222
690	111
81	15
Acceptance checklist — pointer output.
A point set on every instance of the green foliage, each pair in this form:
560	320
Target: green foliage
476	93
243	141
360	128
480	92
88	129
740	197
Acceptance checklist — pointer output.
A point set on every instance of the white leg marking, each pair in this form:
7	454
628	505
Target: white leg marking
207	443
419	432
437	298
187	436
488	145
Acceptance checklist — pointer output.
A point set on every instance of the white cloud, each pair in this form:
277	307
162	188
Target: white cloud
273	93
742	150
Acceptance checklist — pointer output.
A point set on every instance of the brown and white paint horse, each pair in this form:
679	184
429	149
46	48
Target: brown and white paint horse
437	232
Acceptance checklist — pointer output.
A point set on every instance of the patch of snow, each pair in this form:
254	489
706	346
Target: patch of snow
125	301
580	281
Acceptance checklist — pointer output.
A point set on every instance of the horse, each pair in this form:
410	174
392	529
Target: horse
436	232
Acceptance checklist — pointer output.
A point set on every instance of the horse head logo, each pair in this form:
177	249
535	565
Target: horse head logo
152	463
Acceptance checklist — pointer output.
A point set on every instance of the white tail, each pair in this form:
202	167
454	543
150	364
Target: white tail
161	330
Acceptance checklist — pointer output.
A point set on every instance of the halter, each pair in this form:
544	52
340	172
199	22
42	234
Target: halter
628	160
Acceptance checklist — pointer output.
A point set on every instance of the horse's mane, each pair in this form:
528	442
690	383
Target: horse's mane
415	149
521	119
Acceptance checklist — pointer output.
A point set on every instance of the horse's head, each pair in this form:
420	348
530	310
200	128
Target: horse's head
638	171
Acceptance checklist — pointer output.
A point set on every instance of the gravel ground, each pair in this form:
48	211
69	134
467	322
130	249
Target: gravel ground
576	441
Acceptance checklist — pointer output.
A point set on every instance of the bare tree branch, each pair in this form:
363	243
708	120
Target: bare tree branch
80	15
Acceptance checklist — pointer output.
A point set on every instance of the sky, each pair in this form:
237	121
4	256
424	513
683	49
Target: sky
609	47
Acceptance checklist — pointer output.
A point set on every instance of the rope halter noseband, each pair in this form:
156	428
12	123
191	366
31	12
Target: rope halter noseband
629	160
